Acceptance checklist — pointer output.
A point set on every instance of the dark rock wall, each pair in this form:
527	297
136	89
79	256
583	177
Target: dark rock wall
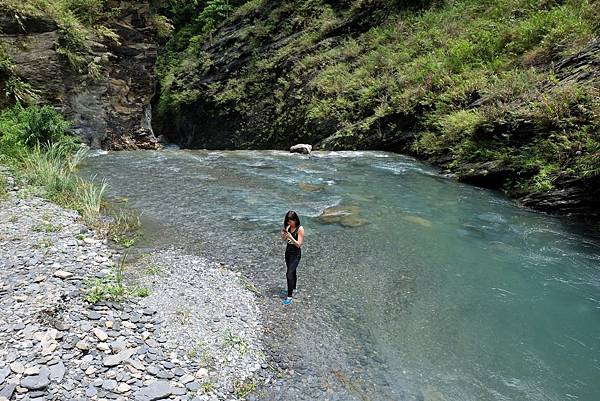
110	111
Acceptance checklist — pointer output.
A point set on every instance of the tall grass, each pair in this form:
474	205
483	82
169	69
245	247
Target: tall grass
36	143
53	169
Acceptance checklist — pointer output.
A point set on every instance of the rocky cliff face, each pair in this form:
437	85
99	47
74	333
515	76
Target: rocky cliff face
230	57
110	109
258	82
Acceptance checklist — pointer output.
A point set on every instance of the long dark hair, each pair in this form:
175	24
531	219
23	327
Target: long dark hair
291	215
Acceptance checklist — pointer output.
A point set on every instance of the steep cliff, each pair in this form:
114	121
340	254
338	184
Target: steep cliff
102	78
503	94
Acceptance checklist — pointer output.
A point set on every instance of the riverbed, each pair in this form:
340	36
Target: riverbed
418	288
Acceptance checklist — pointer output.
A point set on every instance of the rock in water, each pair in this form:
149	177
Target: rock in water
347	216
301	148
308	187
418	220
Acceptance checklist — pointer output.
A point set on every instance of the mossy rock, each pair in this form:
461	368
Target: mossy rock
308	187
418	220
347	216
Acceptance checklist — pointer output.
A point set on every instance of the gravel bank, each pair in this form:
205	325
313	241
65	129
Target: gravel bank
196	337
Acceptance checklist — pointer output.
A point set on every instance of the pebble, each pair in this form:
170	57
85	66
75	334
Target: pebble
100	334
62	274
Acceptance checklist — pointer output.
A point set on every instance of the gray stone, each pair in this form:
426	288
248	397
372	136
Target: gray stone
118	345
111	360
82	345
17	367
135	317
62	274
109	385
165	374
35	382
193	386
37	395
100	334
8	390
4	372
178	390
155	391
123	388
57	372
91	391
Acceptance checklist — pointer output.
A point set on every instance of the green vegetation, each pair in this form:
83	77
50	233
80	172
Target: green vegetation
36	144
243	389
46	227
208	386
125	228
198	349
193	23
233	341
3	190
112	287
474	80
183	314
108	288
154	270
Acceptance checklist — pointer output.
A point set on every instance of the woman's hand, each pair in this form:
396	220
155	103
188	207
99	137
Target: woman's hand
287	236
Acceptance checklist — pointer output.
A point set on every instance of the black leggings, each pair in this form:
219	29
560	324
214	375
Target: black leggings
291	261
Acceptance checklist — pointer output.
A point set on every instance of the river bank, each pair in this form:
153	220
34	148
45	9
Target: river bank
57	345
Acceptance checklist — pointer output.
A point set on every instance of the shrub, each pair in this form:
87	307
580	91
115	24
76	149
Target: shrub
24	129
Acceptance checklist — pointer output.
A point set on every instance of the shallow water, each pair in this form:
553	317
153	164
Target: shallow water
450	292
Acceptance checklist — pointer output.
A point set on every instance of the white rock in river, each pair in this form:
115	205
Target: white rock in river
301	148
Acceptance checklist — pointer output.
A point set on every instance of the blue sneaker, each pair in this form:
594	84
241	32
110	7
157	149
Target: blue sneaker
287	301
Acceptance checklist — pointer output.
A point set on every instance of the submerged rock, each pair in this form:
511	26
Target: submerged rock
347	216
418	220
308	187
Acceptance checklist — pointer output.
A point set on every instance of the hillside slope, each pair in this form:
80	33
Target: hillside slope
503	94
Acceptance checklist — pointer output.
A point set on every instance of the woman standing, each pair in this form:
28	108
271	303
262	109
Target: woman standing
293	233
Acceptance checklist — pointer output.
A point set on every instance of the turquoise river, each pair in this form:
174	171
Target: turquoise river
429	290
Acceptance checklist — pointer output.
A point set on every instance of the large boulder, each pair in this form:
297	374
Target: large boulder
301	148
